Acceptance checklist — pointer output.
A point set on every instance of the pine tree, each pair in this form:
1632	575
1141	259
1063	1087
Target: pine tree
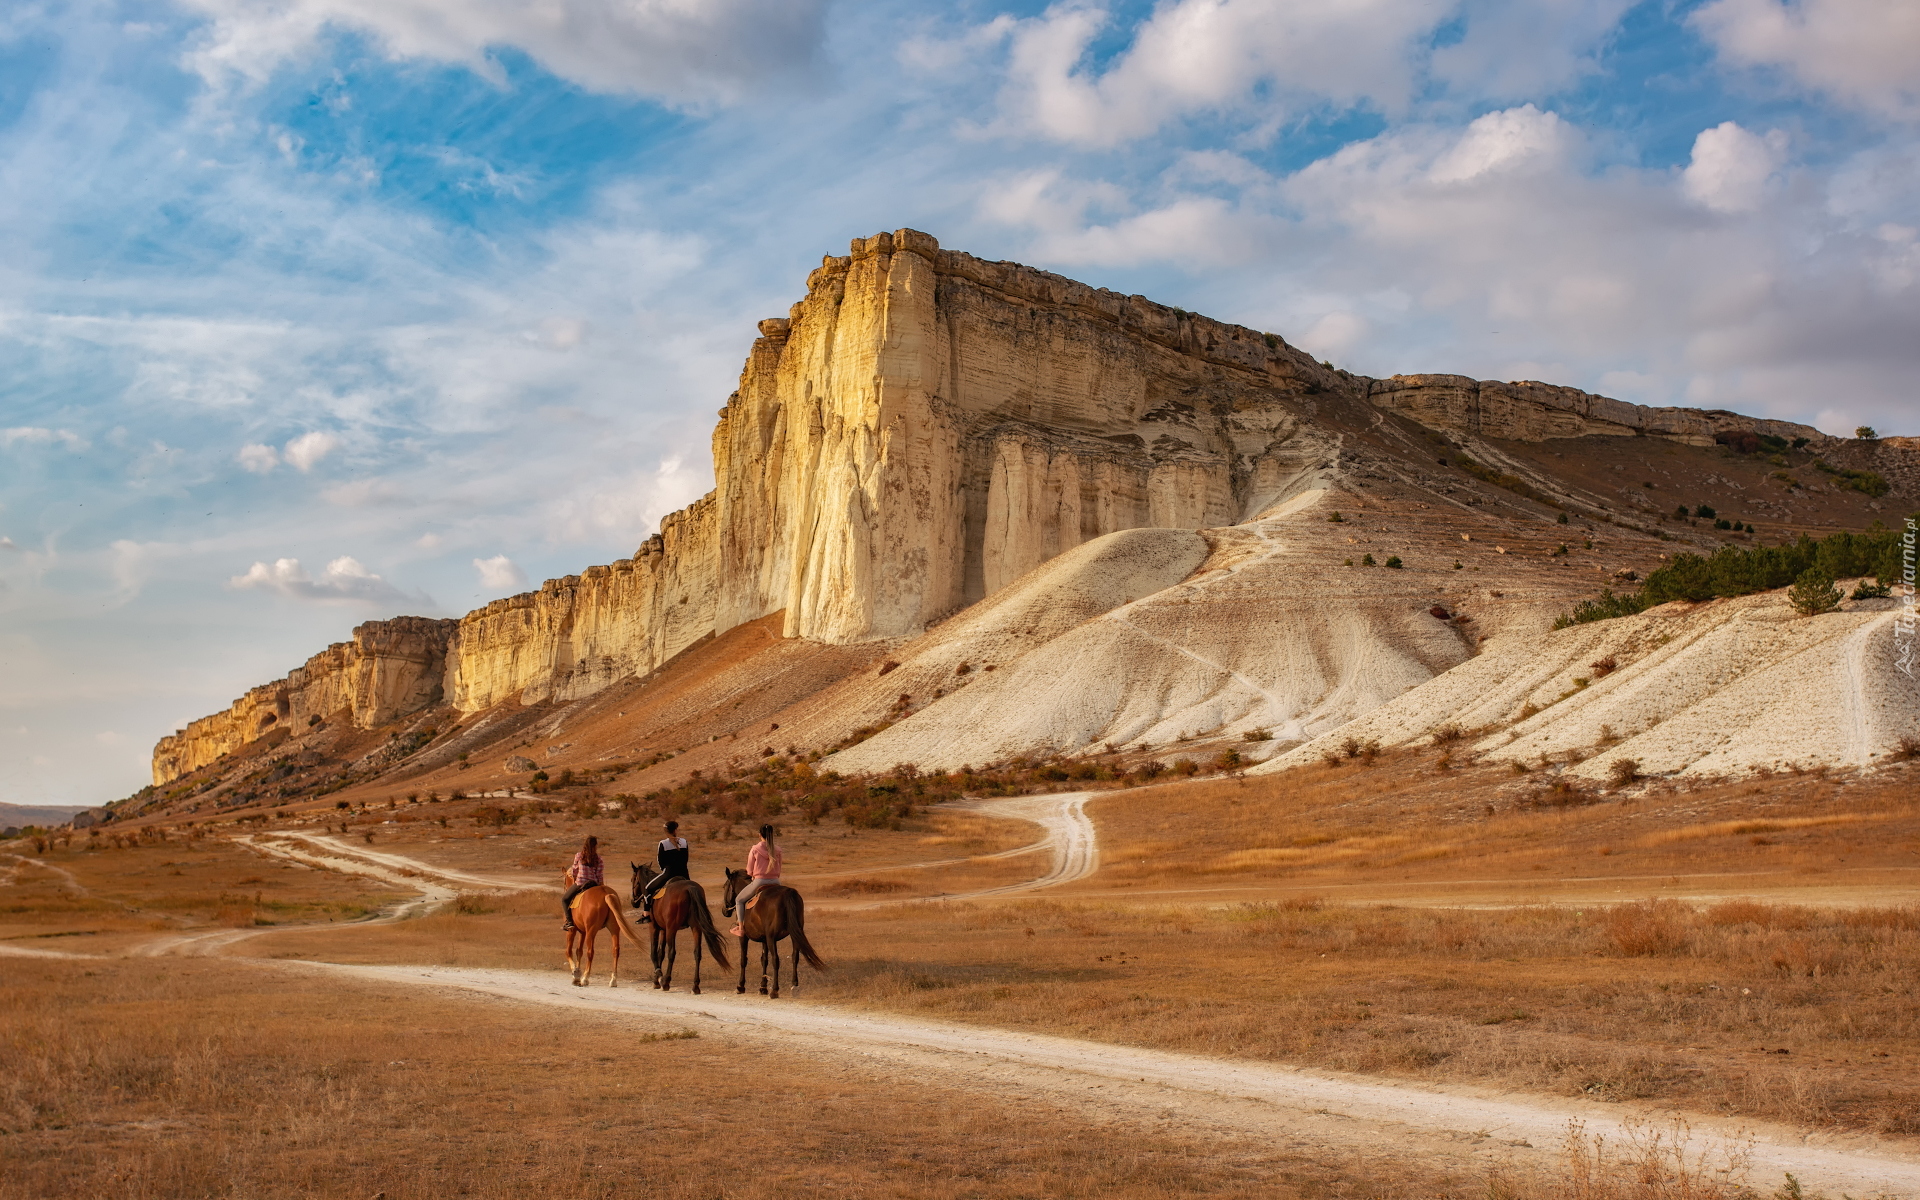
1813	593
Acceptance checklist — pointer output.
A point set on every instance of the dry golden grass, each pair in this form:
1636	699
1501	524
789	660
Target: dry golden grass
154	1079
176	1079
1800	1015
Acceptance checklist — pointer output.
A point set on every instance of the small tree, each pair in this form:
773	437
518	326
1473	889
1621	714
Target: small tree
1393	561
1813	593
1867	433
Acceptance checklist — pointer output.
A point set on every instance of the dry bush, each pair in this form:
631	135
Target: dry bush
1907	750
1449	732
473	904
1623	771
1648	927
863	887
1603	667
1652	1164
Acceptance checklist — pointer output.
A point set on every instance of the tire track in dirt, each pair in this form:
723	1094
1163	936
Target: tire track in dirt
1307	1110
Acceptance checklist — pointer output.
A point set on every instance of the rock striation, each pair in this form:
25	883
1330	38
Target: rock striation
921	430
388	669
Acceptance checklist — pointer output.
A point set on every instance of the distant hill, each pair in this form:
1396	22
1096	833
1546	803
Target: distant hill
37	814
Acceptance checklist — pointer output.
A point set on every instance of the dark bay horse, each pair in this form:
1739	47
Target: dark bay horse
681	904
773	913
595	909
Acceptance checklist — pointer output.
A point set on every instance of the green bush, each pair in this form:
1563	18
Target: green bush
1742	571
1393	562
1813	593
1868	483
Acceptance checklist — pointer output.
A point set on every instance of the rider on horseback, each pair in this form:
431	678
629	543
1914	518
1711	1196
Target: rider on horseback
587	871
672	855
763	864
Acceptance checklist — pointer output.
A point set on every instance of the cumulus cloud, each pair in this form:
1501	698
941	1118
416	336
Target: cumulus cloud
33	435
1864	53
1200	56
499	573
685	51
306	451
1731	166
257	458
1511	49
344	581
6	543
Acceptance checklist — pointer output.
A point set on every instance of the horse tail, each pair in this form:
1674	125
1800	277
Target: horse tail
702	922
618	911
798	912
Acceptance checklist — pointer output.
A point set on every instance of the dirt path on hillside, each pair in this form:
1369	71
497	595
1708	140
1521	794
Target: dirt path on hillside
1069	834
403	864
1302	1110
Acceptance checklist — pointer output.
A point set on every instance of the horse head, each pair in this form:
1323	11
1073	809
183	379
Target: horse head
640	877
736	879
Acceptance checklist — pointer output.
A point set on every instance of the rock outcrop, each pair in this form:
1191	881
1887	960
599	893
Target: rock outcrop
920	431
389	669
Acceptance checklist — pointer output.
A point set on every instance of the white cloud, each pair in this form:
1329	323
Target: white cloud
1731	166
688	51
1512	49
259	459
344	580
305	451
1864	53
1199	56
1516	140
499	573
1334	335
6	543
33	435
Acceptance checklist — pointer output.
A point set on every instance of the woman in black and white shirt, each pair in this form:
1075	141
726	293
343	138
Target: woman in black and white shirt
671	855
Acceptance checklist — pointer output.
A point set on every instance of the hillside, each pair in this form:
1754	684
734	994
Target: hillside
968	511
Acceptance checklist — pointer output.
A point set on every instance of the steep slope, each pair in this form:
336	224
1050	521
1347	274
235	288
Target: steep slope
1719	688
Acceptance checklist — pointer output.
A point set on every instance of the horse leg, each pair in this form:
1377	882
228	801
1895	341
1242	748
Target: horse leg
613	977
766	947
673	957
659	952
696	960
585	971
742	989
774	943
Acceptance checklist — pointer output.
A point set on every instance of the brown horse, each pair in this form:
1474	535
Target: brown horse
681	904
774	912
595	909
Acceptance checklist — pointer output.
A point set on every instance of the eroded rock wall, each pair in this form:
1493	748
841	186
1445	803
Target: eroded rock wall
388	669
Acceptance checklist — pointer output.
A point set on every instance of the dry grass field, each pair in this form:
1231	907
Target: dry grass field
1745	948
144	1078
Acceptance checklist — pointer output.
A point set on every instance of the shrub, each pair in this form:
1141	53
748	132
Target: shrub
1907	750
1257	735
1563	519
1623	771
1227	760
1866	482
1450	732
1366	560
472	904
1603	667
1813	593
1393	562
1336	518
1650	927
1870	591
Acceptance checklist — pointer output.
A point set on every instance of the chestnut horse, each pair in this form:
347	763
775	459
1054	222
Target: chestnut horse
595	909
680	904
775	912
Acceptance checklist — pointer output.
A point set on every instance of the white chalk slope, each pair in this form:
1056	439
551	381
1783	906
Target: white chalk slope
1719	688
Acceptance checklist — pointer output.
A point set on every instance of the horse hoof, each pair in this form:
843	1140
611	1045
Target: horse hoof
739	991
696	991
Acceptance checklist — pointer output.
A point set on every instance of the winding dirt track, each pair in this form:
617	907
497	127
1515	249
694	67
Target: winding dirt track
1285	1108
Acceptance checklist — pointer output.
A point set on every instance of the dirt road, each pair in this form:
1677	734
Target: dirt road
1306	1110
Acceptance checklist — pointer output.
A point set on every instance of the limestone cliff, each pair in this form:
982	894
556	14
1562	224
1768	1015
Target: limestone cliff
923	428
389	669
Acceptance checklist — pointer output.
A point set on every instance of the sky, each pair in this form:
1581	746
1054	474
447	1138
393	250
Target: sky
320	311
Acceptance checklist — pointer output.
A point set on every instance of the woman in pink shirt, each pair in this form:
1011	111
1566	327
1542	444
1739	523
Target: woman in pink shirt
763	863
587	871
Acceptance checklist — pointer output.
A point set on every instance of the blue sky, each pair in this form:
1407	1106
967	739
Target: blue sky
318	311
